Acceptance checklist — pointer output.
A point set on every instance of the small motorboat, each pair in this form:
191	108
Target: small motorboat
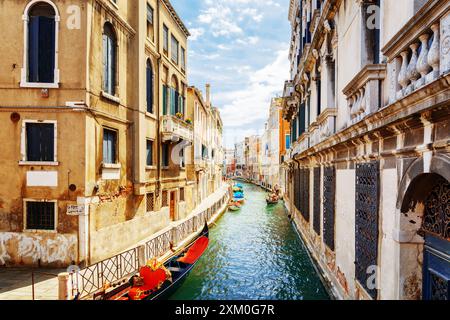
240	201
157	281
234	208
237	189
238	195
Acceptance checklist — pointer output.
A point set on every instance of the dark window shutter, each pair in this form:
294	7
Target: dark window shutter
177	102
164	100
149	88
33	49
33	142
47	142
46	49
149	152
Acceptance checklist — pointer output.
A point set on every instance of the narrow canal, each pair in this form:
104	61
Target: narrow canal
254	254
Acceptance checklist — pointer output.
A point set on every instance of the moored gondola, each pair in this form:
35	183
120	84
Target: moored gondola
157	281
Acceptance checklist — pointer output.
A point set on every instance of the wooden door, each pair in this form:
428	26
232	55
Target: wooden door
172	205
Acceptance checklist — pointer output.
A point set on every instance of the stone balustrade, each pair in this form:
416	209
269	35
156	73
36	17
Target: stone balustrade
420	53
364	92
174	129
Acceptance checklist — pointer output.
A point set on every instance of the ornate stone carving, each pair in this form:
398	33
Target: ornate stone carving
445	44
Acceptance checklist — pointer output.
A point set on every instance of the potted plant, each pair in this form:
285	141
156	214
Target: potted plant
179	115
188	121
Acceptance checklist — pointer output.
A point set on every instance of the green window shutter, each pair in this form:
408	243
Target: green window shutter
164	99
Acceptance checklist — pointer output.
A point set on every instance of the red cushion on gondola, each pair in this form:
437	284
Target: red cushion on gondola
152	279
195	251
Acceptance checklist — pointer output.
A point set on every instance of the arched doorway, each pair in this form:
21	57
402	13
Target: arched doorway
425	259
436	230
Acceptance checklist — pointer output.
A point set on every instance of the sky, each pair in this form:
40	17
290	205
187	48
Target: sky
241	48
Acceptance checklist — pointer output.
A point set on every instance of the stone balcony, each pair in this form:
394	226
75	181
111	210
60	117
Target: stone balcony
419	53
175	129
364	92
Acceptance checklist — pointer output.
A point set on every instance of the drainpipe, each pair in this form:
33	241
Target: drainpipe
158	122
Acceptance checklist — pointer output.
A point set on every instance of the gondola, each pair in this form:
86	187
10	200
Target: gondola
271	202
159	281
234	208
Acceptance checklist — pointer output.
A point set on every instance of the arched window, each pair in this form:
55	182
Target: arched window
41	23
109	59
149	87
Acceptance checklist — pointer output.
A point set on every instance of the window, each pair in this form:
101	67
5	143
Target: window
183	58
204	152
149	87
149	152
149	22
109	146
181	194
288	141
165	199
165	154
174	49
41	51
165	39
109	59
40	142
182	159
40	215
164	93
150	202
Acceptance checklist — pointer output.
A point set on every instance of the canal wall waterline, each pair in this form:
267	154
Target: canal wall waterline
330	285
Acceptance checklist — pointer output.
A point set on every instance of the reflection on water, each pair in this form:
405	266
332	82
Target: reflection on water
254	253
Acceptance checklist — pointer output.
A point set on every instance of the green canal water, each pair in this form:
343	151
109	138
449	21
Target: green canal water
254	254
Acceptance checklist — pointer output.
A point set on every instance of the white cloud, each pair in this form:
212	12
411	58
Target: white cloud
249	104
196	33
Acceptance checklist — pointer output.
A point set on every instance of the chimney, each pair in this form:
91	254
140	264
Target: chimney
208	94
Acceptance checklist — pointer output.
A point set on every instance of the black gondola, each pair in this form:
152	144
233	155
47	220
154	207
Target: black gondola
159	282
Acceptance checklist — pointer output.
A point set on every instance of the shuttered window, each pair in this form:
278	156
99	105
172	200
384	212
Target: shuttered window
149	14
183	58
164	92
109	146
40	142
40	215
149	87
149	153
109	59
41	44
174	50
165	39
165	154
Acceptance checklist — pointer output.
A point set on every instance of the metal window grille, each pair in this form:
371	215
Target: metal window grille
40	215
165	199
150	202
316	221
329	191
366	221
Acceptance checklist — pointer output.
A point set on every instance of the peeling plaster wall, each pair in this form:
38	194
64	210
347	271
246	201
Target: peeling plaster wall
53	250
116	238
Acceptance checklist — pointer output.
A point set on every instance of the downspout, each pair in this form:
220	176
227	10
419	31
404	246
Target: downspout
158	120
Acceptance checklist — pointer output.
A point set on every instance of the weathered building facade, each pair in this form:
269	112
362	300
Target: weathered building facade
96	130
274	142
206	162
367	174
